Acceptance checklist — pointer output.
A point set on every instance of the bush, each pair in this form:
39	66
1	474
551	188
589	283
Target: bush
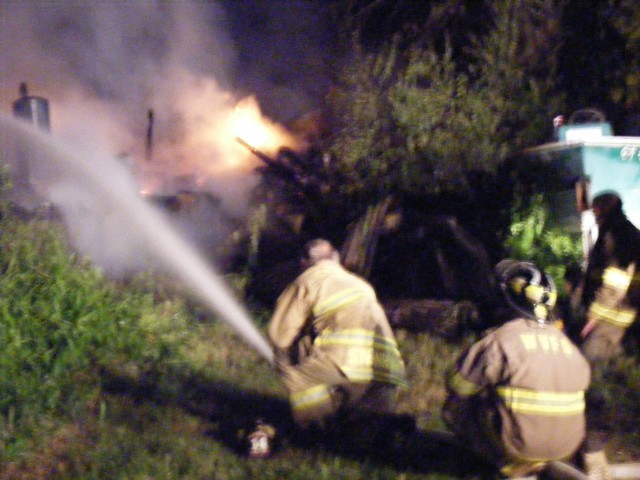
63	325
549	248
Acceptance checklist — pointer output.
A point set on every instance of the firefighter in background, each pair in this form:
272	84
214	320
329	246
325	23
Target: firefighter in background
517	396
611	288
334	350
610	299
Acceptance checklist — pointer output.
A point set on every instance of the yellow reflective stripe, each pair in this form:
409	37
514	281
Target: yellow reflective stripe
337	301
616	278
522	400
462	386
310	397
518	284
393	377
512	469
368	356
535	294
620	317
356	337
553	297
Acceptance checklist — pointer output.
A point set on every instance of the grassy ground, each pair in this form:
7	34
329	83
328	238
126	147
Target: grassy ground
192	424
115	382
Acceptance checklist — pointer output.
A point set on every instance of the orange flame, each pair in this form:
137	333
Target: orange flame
210	149
246	121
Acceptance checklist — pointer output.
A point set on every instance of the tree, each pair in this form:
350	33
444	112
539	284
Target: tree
364	148
516	61
429	119
599	57
409	122
448	124
625	17
420	119
419	115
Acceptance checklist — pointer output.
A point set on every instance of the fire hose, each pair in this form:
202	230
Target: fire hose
563	471
559	470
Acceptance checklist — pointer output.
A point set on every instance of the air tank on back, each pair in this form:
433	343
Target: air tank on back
35	110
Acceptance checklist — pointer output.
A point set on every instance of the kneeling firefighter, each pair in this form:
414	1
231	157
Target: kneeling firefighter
517	396
334	350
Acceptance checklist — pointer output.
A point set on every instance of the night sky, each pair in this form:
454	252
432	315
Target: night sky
283	50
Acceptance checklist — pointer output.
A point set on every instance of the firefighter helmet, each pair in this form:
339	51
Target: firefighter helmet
527	289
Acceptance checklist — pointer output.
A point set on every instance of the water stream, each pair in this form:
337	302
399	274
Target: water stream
101	206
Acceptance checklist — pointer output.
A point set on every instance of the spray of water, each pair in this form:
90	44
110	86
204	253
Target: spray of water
101	205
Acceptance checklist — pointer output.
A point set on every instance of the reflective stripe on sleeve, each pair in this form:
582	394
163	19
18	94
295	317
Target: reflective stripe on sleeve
521	400
618	281
620	317
616	278
462	386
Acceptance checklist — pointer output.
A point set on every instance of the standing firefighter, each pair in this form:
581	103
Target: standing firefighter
334	349
612	280
610	298
517	396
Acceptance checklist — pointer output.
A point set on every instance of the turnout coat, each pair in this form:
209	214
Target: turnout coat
328	330
611	293
521	390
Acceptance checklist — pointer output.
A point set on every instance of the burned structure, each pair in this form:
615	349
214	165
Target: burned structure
34	182
426	262
26	195
33	109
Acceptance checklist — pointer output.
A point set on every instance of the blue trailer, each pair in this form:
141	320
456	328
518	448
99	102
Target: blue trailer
586	160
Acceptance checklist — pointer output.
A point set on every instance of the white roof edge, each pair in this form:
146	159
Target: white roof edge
611	141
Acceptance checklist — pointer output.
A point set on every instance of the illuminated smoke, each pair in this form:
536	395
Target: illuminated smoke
104	65
87	183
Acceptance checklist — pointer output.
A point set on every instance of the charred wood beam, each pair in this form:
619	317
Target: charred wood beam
359	249
265	158
149	140
289	169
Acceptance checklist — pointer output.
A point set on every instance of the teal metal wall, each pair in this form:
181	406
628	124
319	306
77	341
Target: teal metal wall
613	163
590	152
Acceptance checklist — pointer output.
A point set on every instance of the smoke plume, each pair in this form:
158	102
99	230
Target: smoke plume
105	66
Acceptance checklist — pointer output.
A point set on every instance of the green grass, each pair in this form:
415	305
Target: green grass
110	381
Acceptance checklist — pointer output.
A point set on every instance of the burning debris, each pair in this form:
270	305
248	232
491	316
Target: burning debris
191	193
302	177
